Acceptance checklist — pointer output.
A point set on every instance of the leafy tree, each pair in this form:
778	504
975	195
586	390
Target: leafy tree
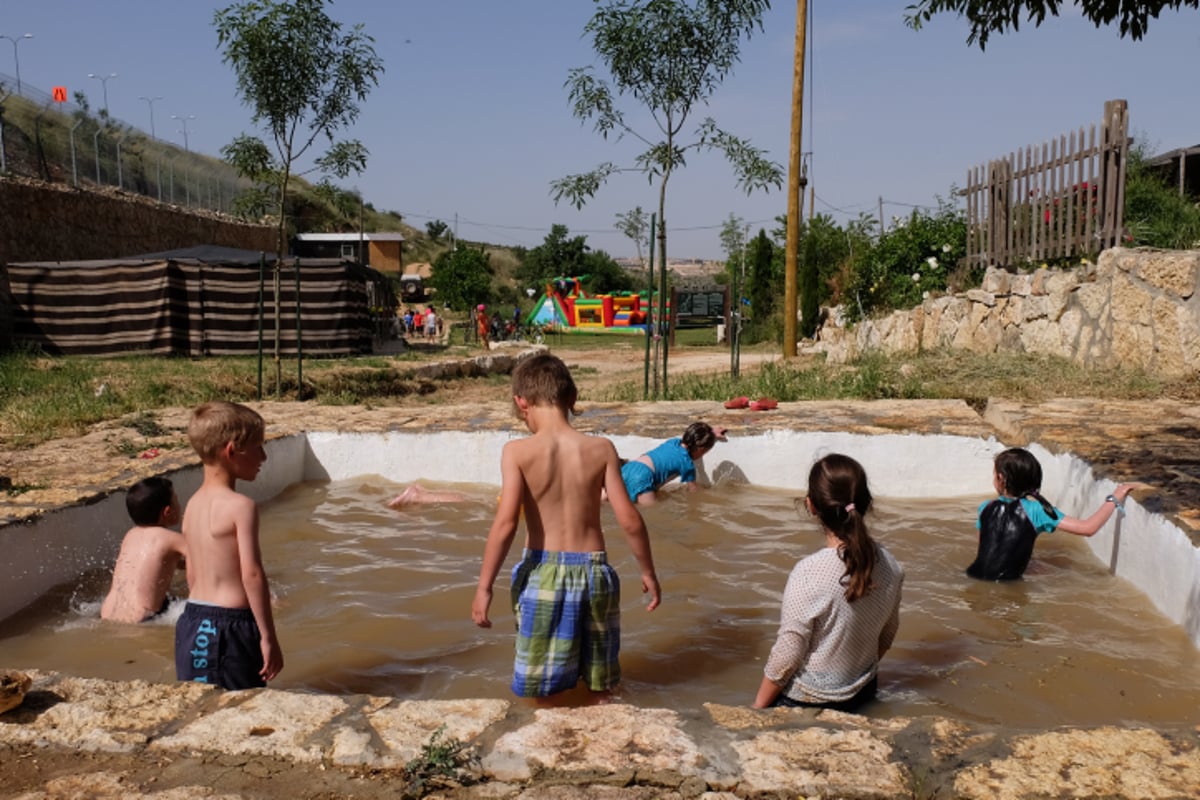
997	16
435	229
303	78
670	56
604	275
764	280
344	205
463	277
559	255
732	231
636	226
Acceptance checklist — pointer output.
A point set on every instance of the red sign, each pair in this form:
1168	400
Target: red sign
60	94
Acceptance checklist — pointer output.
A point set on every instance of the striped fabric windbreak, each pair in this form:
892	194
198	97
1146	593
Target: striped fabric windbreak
190	307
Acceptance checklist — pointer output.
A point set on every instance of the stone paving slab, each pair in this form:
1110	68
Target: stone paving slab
1155	442
515	751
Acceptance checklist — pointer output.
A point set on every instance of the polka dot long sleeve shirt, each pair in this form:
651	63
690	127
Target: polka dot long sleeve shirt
827	648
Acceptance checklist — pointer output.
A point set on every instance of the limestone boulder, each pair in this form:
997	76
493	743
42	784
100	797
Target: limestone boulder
1109	762
996	281
1175	272
13	688
1130	302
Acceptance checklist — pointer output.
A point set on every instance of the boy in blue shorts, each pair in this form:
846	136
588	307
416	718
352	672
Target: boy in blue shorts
565	596
226	634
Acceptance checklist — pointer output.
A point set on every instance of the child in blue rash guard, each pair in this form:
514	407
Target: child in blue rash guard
1010	524
644	475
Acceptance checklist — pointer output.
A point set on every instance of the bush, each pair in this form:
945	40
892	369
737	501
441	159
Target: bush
1156	214
909	262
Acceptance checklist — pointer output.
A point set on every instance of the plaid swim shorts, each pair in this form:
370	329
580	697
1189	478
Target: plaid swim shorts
568	612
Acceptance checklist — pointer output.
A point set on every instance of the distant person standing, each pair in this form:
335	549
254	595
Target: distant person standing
431	323
482	324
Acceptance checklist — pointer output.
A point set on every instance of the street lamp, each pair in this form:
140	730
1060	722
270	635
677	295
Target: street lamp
104	79
150	101
184	120
16	59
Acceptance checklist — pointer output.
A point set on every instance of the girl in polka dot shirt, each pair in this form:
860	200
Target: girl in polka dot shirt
841	606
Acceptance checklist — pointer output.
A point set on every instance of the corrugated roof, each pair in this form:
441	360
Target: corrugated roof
350	237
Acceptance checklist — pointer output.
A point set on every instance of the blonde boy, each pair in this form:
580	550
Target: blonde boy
150	554
226	634
565	596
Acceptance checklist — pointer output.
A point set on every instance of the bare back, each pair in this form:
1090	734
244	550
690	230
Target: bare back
219	525
562	473
146	564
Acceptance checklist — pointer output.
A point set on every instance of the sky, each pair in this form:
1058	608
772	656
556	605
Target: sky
471	120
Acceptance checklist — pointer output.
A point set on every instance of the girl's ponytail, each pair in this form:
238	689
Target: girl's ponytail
838	492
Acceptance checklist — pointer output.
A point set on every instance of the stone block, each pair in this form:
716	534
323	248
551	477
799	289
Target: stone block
1035	307
1108	762
1013	311
1061	280
1175	272
987	335
1168	346
1130	303
1037	281
817	762
981	297
1041	336
1132	344
406	728
261	722
595	740
1093	298
98	715
996	281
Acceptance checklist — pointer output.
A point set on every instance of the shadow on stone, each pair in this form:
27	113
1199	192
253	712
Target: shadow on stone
36	703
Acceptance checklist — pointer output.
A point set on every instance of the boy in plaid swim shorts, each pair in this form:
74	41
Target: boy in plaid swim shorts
565	595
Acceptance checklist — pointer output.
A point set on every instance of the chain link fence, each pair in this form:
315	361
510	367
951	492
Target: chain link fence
68	143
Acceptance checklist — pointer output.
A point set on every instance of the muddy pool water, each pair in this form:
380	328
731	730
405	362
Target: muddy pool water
371	600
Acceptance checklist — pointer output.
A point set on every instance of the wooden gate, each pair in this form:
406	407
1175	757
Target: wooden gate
1064	200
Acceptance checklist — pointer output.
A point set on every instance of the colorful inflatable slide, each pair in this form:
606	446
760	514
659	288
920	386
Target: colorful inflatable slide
566	306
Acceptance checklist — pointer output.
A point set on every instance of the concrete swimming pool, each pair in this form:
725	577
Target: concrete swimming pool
940	472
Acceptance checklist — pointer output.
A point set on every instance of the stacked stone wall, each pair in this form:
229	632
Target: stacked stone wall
1134	307
52	222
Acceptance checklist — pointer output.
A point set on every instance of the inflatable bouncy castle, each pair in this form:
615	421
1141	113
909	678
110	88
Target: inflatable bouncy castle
566	306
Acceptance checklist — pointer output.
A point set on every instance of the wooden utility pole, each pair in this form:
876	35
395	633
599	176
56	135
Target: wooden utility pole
794	185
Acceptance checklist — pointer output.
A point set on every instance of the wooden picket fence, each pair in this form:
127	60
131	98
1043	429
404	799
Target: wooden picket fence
1064	201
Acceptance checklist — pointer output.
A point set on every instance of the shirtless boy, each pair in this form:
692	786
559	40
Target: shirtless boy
150	553
226	634
565	596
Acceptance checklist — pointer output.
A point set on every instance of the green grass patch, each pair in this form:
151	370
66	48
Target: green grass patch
969	377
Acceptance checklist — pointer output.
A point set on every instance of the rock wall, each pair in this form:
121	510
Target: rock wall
1136	308
53	222
83	737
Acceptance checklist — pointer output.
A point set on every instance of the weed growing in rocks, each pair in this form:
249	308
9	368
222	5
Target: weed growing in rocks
441	763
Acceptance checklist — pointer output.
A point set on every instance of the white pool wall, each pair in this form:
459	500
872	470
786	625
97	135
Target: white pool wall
61	545
1142	547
